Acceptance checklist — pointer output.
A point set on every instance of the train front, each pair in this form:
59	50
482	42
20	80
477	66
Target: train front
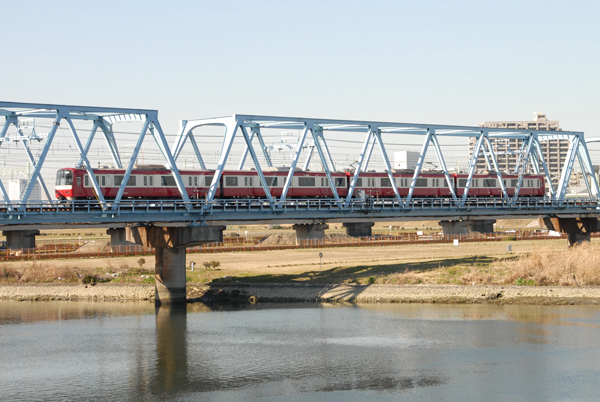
63	188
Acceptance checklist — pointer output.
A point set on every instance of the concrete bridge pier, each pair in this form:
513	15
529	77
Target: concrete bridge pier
169	245
310	231
578	230
118	238
359	229
466	227
20	239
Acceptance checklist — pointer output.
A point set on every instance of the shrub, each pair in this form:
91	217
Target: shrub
211	264
141	262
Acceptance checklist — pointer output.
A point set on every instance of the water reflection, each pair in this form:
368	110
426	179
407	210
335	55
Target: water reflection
171	349
273	352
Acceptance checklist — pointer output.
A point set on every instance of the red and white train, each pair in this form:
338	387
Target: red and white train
157	182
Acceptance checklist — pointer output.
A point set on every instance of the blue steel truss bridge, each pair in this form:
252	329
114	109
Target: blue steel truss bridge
169	226
25	212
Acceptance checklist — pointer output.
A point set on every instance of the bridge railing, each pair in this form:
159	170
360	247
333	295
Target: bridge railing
137	207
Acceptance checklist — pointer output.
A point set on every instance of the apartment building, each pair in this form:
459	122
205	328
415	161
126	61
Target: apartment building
554	151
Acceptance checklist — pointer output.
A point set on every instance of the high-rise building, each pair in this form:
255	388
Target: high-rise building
506	150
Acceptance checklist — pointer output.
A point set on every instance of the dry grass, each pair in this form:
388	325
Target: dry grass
576	266
41	272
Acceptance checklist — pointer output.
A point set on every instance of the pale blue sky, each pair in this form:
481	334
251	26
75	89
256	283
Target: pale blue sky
453	62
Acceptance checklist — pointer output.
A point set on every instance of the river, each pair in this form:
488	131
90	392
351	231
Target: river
298	352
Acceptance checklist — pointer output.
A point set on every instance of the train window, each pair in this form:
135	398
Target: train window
462	182
271	181
246	181
86	181
446	183
103	181
118	179
145	180
358	182
250	181
64	178
195	181
231	181
322	182
98	180
489	182
79	182
514	182
167	181
385	182
421	183
340	182
190	181
306	181
208	180
150	181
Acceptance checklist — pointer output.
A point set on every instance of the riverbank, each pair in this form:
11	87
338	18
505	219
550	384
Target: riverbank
302	292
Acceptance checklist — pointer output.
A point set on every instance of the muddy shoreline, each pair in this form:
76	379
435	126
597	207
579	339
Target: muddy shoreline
328	293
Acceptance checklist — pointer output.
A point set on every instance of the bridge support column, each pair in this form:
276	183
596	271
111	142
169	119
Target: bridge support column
169	245
312	231
20	239
359	229
578	230
118	237
466	227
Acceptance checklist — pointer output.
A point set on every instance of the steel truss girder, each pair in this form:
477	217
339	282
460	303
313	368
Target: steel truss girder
103	118
530	152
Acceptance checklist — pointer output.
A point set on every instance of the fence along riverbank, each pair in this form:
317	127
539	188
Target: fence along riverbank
58	250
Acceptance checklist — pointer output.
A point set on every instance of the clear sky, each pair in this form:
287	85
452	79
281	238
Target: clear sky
445	62
451	62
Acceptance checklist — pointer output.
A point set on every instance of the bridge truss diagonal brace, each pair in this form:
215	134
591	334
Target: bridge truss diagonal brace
440	156
565	176
388	166
494	162
363	162
25	141
186	132
472	166
38	167
524	161
586	165
159	136
14	120
109	137
7	123
231	127
315	134
419	166
259	171
84	160
539	155
255	132
308	126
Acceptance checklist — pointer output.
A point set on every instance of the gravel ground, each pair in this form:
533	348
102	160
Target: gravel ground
252	293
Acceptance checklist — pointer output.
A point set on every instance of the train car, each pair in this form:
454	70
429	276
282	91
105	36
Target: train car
378	184
487	185
154	182
305	184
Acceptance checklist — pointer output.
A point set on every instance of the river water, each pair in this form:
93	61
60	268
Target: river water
298	352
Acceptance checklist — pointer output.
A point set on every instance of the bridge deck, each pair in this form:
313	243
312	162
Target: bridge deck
256	211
